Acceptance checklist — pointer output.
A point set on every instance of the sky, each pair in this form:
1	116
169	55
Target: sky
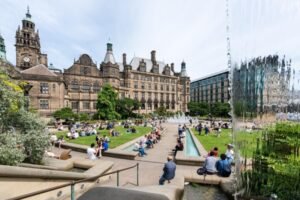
193	30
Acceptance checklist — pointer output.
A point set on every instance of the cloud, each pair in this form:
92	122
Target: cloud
192	30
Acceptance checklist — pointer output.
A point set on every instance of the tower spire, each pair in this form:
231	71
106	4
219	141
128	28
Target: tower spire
28	15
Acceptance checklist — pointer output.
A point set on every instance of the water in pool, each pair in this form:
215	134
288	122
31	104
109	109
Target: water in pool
190	147
203	192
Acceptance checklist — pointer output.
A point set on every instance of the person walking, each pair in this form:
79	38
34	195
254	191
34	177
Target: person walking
168	171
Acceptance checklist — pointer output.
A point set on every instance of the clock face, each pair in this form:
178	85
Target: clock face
26	59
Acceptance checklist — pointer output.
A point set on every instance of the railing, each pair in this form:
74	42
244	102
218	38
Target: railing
73	183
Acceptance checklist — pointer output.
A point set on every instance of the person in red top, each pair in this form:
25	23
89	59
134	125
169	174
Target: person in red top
214	151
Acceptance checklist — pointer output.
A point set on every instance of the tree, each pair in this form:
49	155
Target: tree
161	111
126	107
22	134
106	103
64	113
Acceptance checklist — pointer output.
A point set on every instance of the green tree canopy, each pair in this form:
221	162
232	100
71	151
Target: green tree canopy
106	103
126	107
64	113
22	134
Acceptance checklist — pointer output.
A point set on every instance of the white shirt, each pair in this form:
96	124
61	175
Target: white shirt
91	152
229	153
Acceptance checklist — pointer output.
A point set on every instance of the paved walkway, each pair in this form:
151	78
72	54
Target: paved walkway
150	166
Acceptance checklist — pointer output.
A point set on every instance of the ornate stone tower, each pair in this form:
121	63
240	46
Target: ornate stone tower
28	47
2	49
110	69
185	82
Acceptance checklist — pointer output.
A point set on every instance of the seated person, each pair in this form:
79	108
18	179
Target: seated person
136	146
82	133
75	135
60	141
106	138
105	145
53	139
142	151
126	125
114	133
92	152
209	166
230	153
133	130
94	131
51	154
215	151
223	166
178	147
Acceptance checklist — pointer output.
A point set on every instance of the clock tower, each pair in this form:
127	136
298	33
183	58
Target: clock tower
28	49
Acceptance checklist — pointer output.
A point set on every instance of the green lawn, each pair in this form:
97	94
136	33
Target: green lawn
114	141
246	141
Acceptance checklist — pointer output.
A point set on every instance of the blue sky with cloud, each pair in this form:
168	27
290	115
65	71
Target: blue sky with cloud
194	31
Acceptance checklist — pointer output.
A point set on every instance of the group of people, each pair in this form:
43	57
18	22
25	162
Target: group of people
147	141
214	127
95	151
213	165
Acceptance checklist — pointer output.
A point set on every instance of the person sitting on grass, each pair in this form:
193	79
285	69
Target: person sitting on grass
92	152
223	166
133	130
209	166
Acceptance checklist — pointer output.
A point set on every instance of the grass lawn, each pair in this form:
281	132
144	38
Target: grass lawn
114	141
246	141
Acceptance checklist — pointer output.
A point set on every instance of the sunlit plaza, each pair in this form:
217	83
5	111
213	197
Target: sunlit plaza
166	100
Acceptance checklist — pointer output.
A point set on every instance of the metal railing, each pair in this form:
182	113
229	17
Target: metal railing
73	183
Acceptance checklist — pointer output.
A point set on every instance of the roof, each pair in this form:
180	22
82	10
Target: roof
211	75
135	62
109	57
39	70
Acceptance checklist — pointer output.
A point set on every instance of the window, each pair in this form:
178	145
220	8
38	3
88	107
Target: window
44	89
74	85
167	87
136	95
155	86
149	95
44	104
143	106
136	86
96	87
85	87
143	95
161	87
86	105
149	86
95	105
143	85
53	87
173	88
75	104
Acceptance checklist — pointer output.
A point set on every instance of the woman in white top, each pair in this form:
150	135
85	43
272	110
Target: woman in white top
91	152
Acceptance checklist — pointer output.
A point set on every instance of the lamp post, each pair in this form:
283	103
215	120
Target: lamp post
26	88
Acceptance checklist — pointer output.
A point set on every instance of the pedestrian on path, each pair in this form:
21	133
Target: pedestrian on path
169	171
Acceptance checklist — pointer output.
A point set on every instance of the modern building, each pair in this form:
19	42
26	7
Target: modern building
150	81
211	89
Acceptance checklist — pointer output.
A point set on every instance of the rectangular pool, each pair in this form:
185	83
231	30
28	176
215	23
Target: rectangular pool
190	146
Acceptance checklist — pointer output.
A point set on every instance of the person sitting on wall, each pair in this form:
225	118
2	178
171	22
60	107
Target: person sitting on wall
223	166
209	166
169	171
92	152
142	152
179	147
215	151
105	145
230	153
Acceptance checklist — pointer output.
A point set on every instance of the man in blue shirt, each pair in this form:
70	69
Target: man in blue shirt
169	171
223	166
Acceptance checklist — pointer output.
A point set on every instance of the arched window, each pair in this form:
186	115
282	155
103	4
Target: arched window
74	85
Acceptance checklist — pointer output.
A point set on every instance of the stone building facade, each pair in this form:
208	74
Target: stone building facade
212	88
153	83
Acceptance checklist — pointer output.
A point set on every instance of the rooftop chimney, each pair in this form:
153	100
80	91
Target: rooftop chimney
124	59
153	57
172	67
